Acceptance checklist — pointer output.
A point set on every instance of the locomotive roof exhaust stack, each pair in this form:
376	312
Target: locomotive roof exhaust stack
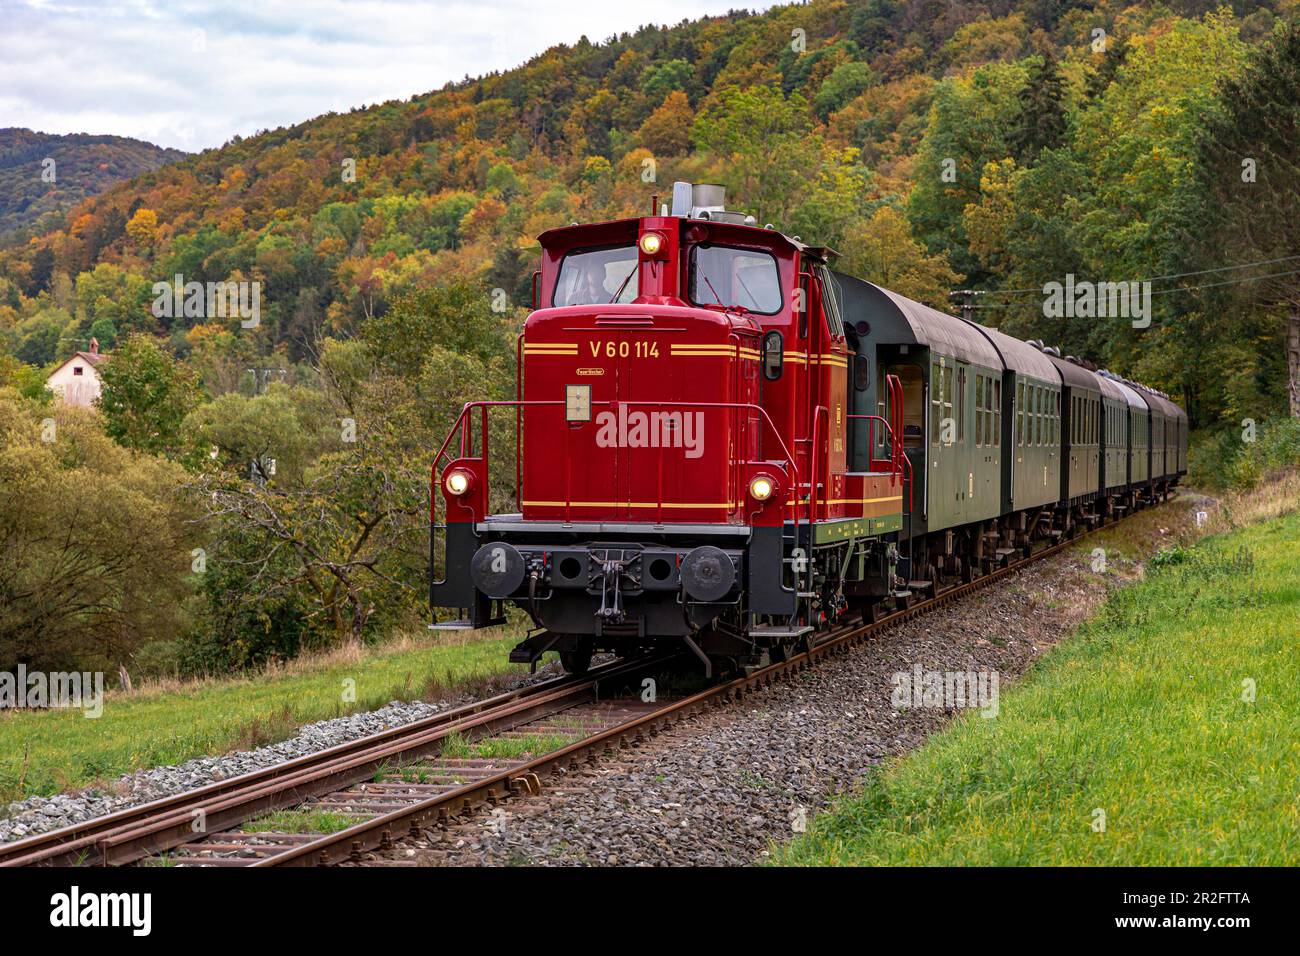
706	201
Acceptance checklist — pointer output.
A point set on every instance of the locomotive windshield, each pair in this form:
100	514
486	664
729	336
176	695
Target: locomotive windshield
722	275
597	277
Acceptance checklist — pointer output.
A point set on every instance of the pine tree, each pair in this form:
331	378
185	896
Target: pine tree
1041	122
1249	152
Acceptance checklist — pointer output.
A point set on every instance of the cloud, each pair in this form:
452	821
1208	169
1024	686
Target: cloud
193	74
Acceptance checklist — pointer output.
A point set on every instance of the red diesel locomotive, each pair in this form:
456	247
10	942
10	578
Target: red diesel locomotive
712	452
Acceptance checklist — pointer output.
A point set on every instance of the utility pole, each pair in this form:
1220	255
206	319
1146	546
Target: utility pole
967	302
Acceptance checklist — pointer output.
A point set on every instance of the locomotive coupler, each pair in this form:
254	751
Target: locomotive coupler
611	594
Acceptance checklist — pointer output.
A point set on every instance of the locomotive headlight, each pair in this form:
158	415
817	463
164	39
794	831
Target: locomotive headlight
456	483
651	243
761	488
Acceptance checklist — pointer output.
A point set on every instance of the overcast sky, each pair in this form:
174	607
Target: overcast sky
192	74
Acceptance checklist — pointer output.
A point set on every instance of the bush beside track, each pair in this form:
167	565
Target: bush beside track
1140	714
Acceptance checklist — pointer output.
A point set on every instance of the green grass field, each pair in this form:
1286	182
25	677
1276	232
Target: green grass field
1175	711
42	752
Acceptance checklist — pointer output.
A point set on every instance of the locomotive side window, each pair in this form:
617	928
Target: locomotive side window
831	301
861	372
773	355
748	278
597	277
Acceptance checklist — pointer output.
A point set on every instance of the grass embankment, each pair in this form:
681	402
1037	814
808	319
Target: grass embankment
1175	711
42	752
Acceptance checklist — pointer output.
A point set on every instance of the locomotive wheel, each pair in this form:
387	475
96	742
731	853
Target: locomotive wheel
576	661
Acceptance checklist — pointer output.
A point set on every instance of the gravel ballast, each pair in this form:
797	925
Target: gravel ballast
40	814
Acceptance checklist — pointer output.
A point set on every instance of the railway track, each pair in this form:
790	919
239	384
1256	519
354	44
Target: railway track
372	791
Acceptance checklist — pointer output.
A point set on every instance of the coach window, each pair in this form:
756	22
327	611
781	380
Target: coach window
979	409
997	413
1038	414
1029	416
960	408
949	374
1019	412
936	401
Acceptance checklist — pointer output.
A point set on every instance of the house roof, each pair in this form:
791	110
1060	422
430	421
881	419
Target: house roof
92	359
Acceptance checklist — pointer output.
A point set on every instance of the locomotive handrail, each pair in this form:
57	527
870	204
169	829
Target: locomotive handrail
518	404
900	465
871	440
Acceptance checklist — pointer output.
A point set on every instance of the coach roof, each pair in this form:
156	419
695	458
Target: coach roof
1131	395
896	319
1021	357
1075	376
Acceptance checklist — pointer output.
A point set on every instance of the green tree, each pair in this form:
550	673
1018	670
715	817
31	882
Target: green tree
660	80
96	554
968	128
146	396
845	82
1243	206
1041	123
104	332
765	142
458	316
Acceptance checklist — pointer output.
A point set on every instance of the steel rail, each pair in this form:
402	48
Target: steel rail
112	838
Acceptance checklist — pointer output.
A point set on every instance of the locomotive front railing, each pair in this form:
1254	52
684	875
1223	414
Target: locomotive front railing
462	427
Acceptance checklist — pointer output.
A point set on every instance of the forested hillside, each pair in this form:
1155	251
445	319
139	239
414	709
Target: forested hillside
42	175
937	146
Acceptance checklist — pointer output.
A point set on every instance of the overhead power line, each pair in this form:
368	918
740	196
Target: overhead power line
1173	275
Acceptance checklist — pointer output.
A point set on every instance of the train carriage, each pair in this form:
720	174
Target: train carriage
1031	472
1138	426
1080	431
1169	440
1114	436
952	435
